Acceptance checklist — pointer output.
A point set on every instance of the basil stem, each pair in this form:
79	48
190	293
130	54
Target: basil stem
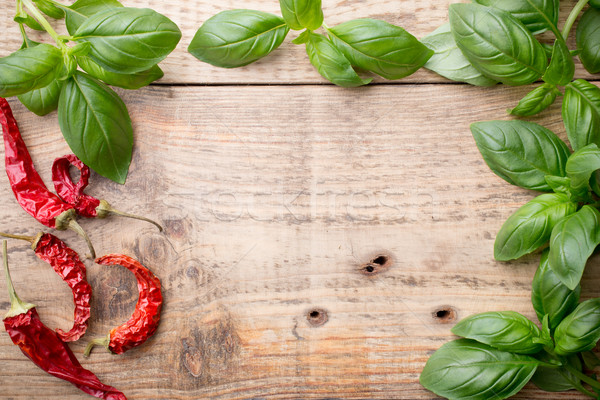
572	17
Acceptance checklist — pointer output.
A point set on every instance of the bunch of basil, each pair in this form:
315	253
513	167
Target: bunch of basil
239	37
112	45
504	350
491	41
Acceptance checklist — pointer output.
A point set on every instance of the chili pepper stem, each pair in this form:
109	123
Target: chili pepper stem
31	239
97	342
74	226
105	209
17	306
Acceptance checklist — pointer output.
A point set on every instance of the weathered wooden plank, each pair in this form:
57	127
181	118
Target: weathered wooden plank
274	199
288	64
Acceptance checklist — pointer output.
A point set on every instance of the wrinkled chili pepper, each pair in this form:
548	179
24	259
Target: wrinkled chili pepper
27	185
42	346
145	318
68	266
72	193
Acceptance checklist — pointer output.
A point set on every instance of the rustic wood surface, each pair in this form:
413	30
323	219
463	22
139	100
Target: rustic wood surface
320	242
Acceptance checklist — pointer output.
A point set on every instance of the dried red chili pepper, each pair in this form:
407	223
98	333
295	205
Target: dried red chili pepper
145	318
68	266
42	346
27	185
72	193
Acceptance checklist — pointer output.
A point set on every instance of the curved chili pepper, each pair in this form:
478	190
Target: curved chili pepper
145	318
27	185
68	266
42	346
72	193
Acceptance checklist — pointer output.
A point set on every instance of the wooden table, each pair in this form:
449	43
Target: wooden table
320	242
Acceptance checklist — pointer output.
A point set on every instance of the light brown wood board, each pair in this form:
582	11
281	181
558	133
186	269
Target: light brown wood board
274	198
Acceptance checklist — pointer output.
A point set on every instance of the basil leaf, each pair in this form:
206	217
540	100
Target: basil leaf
125	81
302	38
96	125
50	9
562	67
128	40
236	38
300	14
557	379
42	101
448	61
464	369
531	226
582	164
331	63
79	11
595	3
29	21
559	184
581	113
536	101
572	242
549	296
537	15
29	69
379	47
505	330
590	359
580	330
497	44
522	153
588	40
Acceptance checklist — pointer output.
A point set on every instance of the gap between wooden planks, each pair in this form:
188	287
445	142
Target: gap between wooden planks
289	64
274	199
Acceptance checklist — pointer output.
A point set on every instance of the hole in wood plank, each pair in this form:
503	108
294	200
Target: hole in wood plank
377	264
444	314
317	317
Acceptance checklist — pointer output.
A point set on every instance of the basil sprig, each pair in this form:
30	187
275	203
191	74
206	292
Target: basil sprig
114	45
565	223
235	38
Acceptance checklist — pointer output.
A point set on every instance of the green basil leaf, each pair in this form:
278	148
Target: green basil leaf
581	113
562	67
557	379
42	101
559	184
582	164
29	21
580	330
236	38
536	101
537	15
331	63
379	47
549	296
497	44
595	3
572	242
128	40
530	226
125	81
29	69
96	125
522	153
590	359
50	9
588	40
81	10
448	61
505	330
302	38
466	370
301	14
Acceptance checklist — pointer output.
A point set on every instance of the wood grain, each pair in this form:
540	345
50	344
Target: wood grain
275	199
288	64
